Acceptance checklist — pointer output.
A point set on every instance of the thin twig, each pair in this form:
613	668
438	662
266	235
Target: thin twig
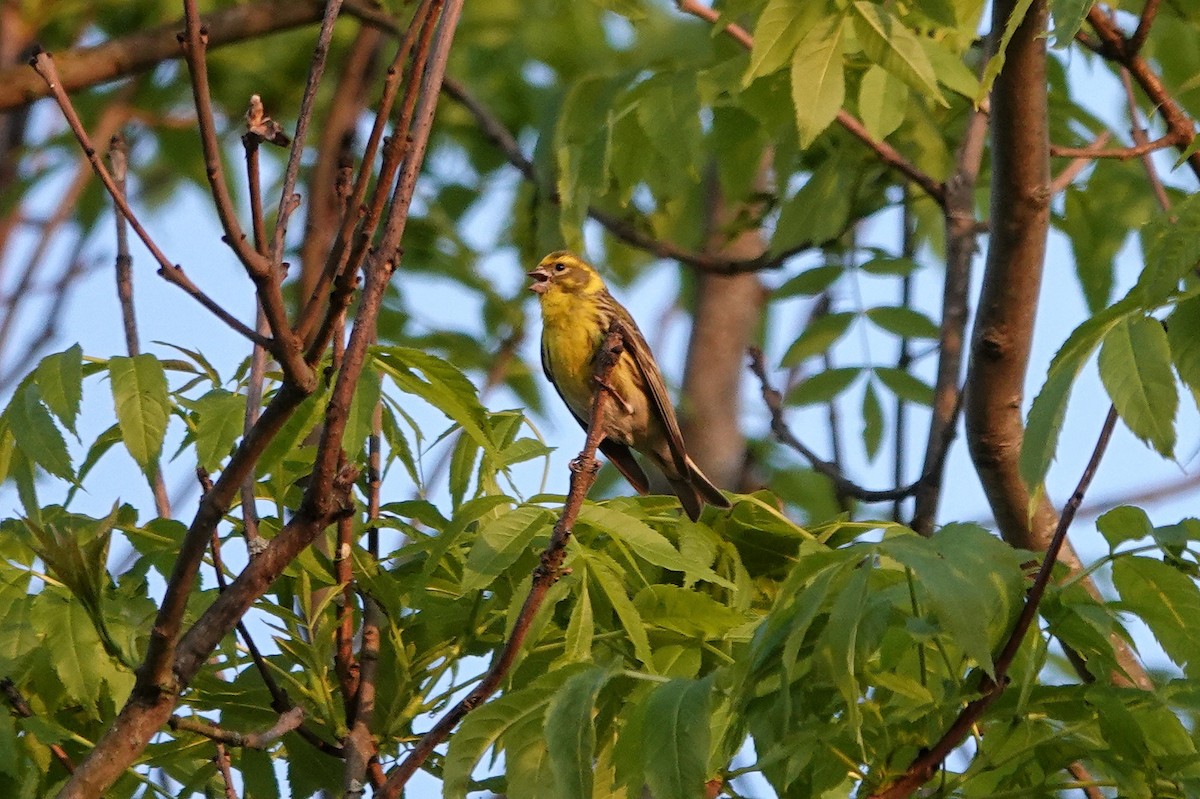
924	767
1119	153
1065	178
1139	136
286	722
173	273
841	485
548	571
17	702
1138	39
221	758
316	69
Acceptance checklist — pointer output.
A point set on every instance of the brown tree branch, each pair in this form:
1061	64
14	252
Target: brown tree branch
44	65
221	758
1120	153
1138	39
1064	178
17	702
287	721
841	484
548	571
925	766
1115	47
267	279
1139	137
962	230
287	200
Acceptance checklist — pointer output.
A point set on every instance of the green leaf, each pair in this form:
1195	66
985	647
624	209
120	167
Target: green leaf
483	727
996	62
220	418
687	612
60	381
872	413
527	768
906	322
610	585
947	570
571	733
1168	601
1183	336
780	27
143	405
837	648
1135	367
645	541
905	385
500	542
818	79
820	334
823	386
891	45
677	739
361	419
299	426
1068	18
1050	406
258	773
441	385
632	10
1124	523
581	628
810	282
950	68
1171	246
882	102
35	433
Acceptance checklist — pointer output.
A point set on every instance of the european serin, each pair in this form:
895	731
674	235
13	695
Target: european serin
577	311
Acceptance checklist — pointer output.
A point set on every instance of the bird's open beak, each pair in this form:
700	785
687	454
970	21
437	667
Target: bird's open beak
541	280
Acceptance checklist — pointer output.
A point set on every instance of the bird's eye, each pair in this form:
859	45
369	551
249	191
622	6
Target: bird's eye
560	266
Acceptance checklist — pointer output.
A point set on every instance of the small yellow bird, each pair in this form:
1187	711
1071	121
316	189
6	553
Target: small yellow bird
577	311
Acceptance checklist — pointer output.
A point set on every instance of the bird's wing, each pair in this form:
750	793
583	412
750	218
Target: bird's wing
656	387
618	454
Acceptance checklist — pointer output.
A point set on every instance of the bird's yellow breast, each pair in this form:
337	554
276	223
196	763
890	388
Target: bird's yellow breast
571	334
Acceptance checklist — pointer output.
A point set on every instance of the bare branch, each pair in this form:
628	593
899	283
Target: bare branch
1136	42
924	767
842	485
254	740
1139	137
1119	153
17	702
44	65
1063	179
548	571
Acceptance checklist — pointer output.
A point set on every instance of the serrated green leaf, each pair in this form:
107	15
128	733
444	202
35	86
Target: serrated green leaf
891	45
1124	523
571	733
143	405
882	102
905	322
220	418
1171	247
905	385
687	612
820	334
780	27
1183	336
810	282
60	382
611	587
1068	16
677	742
872	414
996	62
581	628
819	212
1135	367
1050	406
837	647
823	386
818	79
632	10
1168	601
527	767
952	72
361	419
258	773
645	541
483	727
462	467
972	581
500	542
35	433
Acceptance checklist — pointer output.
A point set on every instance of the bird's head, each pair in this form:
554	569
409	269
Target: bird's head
563	272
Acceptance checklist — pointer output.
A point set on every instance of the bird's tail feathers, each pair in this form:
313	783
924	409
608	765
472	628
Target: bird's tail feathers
704	487
689	498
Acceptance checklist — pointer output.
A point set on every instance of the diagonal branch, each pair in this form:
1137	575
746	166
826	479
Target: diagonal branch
43	64
547	573
924	767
